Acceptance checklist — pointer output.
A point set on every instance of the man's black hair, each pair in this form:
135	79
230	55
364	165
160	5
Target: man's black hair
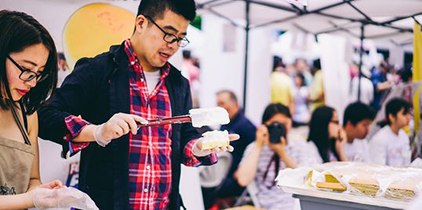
186	54
357	112
156	8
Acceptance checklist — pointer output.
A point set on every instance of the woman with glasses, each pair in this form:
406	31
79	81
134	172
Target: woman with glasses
326	135
28	74
272	151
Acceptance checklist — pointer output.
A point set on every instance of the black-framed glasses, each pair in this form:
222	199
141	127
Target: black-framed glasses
335	122
170	38
26	74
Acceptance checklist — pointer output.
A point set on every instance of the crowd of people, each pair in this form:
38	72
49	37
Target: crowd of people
297	101
97	108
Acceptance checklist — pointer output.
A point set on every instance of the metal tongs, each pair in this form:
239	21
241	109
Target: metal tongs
198	118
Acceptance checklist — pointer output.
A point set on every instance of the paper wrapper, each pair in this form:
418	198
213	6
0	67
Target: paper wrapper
355	182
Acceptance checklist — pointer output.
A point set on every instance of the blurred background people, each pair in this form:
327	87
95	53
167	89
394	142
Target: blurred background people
241	125
356	122
390	145
365	85
63	70
190	71
301	96
270	153
326	136
316	90
381	84
281	85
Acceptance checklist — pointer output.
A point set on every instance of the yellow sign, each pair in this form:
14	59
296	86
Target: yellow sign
93	28
417	72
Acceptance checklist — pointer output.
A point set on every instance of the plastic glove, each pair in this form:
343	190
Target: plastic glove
99	138
118	125
66	197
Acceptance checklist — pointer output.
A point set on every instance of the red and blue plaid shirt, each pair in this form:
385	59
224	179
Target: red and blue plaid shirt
150	172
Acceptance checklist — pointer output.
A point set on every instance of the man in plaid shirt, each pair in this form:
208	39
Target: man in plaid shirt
97	109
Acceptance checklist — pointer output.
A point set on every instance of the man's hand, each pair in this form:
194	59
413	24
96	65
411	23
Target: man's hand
118	125
198	152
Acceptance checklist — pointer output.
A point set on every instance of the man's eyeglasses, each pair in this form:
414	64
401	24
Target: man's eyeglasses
170	38
26	74
335	122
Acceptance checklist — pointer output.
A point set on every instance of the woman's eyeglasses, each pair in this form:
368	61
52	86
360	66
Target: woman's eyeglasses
26	74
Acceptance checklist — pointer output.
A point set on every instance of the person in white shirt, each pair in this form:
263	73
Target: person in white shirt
365	86
326	136
270	153
62	71
301	97
356	122
390	146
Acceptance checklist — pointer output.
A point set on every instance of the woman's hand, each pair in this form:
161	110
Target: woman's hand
52	185
341	139
278	147
262	136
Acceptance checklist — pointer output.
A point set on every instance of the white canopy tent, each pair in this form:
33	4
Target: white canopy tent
381	20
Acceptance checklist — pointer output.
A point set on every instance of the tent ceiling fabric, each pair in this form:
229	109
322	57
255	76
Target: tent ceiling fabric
335	16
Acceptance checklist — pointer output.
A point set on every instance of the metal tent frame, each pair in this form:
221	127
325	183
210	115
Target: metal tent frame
297	12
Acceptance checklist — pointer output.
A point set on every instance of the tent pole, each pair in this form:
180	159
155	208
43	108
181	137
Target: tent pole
362	36
245	76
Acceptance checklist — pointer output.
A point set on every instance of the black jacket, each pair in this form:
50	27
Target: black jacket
97	89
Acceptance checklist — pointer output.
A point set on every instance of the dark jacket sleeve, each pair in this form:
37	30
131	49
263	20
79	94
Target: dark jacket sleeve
70	99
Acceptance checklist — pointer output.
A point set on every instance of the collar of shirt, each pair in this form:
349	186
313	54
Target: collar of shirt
136	64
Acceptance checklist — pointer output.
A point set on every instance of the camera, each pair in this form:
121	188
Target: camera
276	130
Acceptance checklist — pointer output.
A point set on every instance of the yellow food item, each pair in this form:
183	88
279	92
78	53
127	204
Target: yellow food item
369	179
213	139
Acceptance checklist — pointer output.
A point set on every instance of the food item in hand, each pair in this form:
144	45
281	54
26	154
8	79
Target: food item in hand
213	139
209	116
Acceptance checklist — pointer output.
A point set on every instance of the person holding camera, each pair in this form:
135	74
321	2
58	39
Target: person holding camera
270	152
326	135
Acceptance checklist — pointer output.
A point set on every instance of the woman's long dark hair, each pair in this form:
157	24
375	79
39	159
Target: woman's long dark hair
17	32
319	134
393	107
271	111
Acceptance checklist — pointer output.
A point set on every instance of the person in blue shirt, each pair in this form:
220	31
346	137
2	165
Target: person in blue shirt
241	125
381	84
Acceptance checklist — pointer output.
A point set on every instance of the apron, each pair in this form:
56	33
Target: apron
16	161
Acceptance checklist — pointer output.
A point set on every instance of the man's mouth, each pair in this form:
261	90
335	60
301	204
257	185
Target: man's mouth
165	55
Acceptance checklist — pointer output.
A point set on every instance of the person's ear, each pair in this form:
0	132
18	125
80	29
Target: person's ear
349	124
391	118
141	23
